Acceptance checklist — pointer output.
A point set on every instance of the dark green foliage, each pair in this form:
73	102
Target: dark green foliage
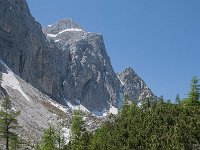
80	138
165	126
15	143
195	89
49	140
37	146
52	140
177	100
155	125
194	94
8	124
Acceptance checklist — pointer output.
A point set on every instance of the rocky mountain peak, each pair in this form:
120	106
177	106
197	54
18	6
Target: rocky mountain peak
62	25
133	85
129	71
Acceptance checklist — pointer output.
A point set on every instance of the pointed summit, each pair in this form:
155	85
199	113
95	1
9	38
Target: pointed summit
65	24
129	71
68	23
134	86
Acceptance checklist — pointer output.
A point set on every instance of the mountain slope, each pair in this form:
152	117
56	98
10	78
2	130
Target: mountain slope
37	110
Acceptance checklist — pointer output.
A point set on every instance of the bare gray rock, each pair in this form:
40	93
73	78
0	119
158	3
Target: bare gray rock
134	86
37	111
90	77
24	48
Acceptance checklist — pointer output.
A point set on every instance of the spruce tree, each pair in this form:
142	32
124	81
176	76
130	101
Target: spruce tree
194	93
59	135
177	100
77	131
8	122
49	140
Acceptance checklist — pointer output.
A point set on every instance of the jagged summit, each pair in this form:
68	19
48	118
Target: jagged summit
129	71
66	24
133	85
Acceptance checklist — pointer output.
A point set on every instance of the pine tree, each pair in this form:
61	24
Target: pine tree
14	143
37	146
194	93
77	131
8	122
59	136
161	99
177	100
49	139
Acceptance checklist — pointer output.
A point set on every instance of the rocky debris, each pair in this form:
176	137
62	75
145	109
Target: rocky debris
134	86
35	114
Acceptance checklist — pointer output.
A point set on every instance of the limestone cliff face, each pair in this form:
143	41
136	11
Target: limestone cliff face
90	77
23	47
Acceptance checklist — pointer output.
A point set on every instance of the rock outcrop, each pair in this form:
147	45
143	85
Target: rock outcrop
134	86
23	47
90	77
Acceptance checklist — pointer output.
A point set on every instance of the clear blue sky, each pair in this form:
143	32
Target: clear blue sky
159	39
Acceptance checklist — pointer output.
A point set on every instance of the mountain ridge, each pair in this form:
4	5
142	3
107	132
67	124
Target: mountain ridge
67	67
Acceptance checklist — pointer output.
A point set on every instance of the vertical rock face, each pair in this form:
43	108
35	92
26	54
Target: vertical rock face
133	85
23	47
90	77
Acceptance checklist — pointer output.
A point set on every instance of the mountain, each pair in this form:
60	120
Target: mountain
90	77
69	64
37	110
134	86
51	71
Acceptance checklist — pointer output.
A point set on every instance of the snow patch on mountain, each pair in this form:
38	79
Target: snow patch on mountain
113	110
78	107
9	80
66	134
66	30
59	106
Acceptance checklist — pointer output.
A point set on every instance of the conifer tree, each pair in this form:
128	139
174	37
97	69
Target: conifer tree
77	131
177	100
49	139
59	135
194	93
37	146
8	122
